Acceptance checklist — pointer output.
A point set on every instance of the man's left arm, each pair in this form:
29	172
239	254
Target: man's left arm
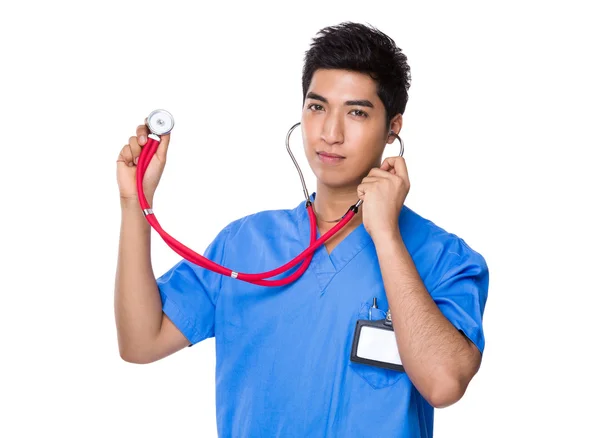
438	358
439	332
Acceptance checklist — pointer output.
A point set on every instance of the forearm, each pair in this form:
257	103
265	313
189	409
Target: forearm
438	359
138	307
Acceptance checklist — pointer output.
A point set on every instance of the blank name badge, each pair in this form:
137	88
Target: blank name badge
375	344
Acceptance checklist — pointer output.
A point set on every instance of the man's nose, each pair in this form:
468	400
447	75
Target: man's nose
333	130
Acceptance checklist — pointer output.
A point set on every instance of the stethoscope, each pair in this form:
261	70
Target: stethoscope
161	122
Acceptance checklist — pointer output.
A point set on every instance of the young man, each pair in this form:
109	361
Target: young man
283	353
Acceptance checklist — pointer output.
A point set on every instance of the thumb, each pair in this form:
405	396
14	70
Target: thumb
163	147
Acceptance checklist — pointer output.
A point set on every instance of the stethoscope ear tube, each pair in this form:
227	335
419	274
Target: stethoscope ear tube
146	155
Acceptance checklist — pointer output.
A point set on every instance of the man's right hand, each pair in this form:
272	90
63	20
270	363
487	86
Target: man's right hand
128	161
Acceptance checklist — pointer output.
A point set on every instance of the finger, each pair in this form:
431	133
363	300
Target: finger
142	134
135	147
122	162
369	179
398	164
374	172
379	173
362	189
388	163
126	156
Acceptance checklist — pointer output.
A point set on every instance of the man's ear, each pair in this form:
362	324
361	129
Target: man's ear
396	126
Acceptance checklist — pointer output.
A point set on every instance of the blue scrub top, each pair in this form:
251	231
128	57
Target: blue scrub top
283	364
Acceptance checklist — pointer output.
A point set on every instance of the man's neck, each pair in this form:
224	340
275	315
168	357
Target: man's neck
332	203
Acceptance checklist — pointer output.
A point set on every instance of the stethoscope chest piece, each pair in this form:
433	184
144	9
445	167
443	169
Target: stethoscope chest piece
160	122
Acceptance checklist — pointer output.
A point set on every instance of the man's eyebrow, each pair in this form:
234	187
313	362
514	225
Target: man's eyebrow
360	102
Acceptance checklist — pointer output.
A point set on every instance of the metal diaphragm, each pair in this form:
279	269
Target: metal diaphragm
160	122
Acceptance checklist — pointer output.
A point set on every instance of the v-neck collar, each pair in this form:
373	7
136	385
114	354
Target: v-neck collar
323	265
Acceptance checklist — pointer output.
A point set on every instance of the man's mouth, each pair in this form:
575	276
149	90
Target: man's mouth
325	154
324	157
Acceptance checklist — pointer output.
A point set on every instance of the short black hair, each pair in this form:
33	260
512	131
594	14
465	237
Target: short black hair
365	49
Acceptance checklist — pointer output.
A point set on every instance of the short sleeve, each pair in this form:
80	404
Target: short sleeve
461	295
189	293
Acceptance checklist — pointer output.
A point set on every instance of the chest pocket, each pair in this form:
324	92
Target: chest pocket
377	377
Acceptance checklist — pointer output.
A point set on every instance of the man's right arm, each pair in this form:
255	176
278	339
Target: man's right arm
145	334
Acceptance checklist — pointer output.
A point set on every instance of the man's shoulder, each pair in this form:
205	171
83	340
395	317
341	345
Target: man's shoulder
424	234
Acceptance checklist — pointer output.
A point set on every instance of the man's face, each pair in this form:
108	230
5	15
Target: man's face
342	115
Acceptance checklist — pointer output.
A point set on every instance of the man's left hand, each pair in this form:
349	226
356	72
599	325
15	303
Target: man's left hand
383	192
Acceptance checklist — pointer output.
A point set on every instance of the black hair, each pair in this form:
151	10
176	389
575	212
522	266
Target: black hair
365	49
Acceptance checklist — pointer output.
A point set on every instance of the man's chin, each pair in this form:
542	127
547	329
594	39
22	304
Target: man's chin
336	181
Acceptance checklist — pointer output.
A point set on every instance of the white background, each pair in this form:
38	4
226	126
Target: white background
501	146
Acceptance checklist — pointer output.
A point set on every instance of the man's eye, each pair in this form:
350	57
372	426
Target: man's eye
359	113
315	107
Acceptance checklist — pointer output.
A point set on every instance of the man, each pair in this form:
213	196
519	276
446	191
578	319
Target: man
283	353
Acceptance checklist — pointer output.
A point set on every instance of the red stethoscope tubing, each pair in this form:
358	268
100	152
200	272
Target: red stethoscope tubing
259	279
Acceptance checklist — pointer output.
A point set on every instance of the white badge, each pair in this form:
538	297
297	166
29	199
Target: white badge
375	344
